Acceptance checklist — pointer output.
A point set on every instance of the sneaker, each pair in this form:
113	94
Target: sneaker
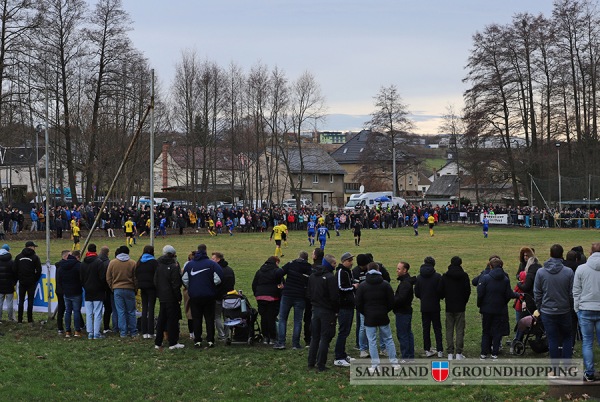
450	356
364	354
341	363
68	334
297	348
191	335
440	354
156	347
459	356
494	357
211	345
90	336
350	359
482	357
60	332
589	378
430	353
107	331
198	344
77	334
99	336
372	370
177	346
279	346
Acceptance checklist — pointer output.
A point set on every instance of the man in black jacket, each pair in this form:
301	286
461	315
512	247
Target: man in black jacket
29	271
324	296
403	310
428	289
456	290
374	300
227	285
293	295
108	301
93	279
346	285
8	280
69	279
167	280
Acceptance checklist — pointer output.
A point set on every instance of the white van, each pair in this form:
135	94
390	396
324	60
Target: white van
373	199
291	203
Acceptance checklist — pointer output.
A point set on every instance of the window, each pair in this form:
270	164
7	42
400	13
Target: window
409	179
331	180
315	178
345	150
299	178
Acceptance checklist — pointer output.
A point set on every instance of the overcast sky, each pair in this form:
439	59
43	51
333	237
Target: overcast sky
352	47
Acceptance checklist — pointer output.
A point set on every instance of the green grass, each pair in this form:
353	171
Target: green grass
36	364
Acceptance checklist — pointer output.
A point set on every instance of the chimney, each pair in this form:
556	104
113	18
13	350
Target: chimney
165	164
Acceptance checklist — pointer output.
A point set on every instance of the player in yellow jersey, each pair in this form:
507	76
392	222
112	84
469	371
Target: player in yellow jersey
211	227
276	235
129	231
431	222
284	234
146	228
75	230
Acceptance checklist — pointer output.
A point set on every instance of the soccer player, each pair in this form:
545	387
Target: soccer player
284	233
276	235
162	226
211	226
357	231
415	224
486	226
323	235
311	232
431	222
336	225
75	230
229	224
129	231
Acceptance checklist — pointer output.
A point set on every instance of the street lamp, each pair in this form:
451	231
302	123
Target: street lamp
559	184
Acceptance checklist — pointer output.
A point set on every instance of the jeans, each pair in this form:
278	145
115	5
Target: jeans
285	305
363	343
9	297
559	333
222	330
15	227
323	331
455	322
93	312
125	306
427	319
29	291
345	318
148	303
405	335
589	321
73	307
385	332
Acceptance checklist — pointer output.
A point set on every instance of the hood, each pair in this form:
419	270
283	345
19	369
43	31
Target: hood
593	261
28	252
455	272
268	266
90	258
223	263
374	277
165	259
427	270
319	270
200	255
497	274
69	263
146	257
407	277
123	257
5	255
553	265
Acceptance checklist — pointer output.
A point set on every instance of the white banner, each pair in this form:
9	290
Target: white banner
500	219
42	294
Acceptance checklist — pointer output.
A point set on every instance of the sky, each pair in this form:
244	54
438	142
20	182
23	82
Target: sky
352	47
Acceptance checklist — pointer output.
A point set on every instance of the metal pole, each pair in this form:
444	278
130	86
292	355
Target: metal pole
559	183
47	212
152	163
395	191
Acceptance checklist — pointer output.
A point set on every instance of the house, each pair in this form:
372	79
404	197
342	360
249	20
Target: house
322	178
353	157
443	190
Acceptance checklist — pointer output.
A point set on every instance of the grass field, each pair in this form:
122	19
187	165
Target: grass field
37	364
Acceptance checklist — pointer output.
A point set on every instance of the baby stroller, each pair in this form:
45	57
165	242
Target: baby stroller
241	319
533	332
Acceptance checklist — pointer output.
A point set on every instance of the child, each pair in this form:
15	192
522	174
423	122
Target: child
519	307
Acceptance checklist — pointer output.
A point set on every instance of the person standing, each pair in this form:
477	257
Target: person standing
8	280
69	279
431	222
586	298
324	296
323	236
167	282
120	276
415	224
428	288
346	287
486	226
374	300
226	286
93	279
403	310
266	287
276	234
144	276
456	290
75	231
553	293
293	295
201	276
28	269
128	226
34	220
357	231
108	301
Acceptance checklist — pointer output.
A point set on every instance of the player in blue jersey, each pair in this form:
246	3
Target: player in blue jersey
323	235
311	232
336	225
415	224
486	226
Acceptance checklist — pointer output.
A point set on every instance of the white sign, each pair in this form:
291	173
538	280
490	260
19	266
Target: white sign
500	219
